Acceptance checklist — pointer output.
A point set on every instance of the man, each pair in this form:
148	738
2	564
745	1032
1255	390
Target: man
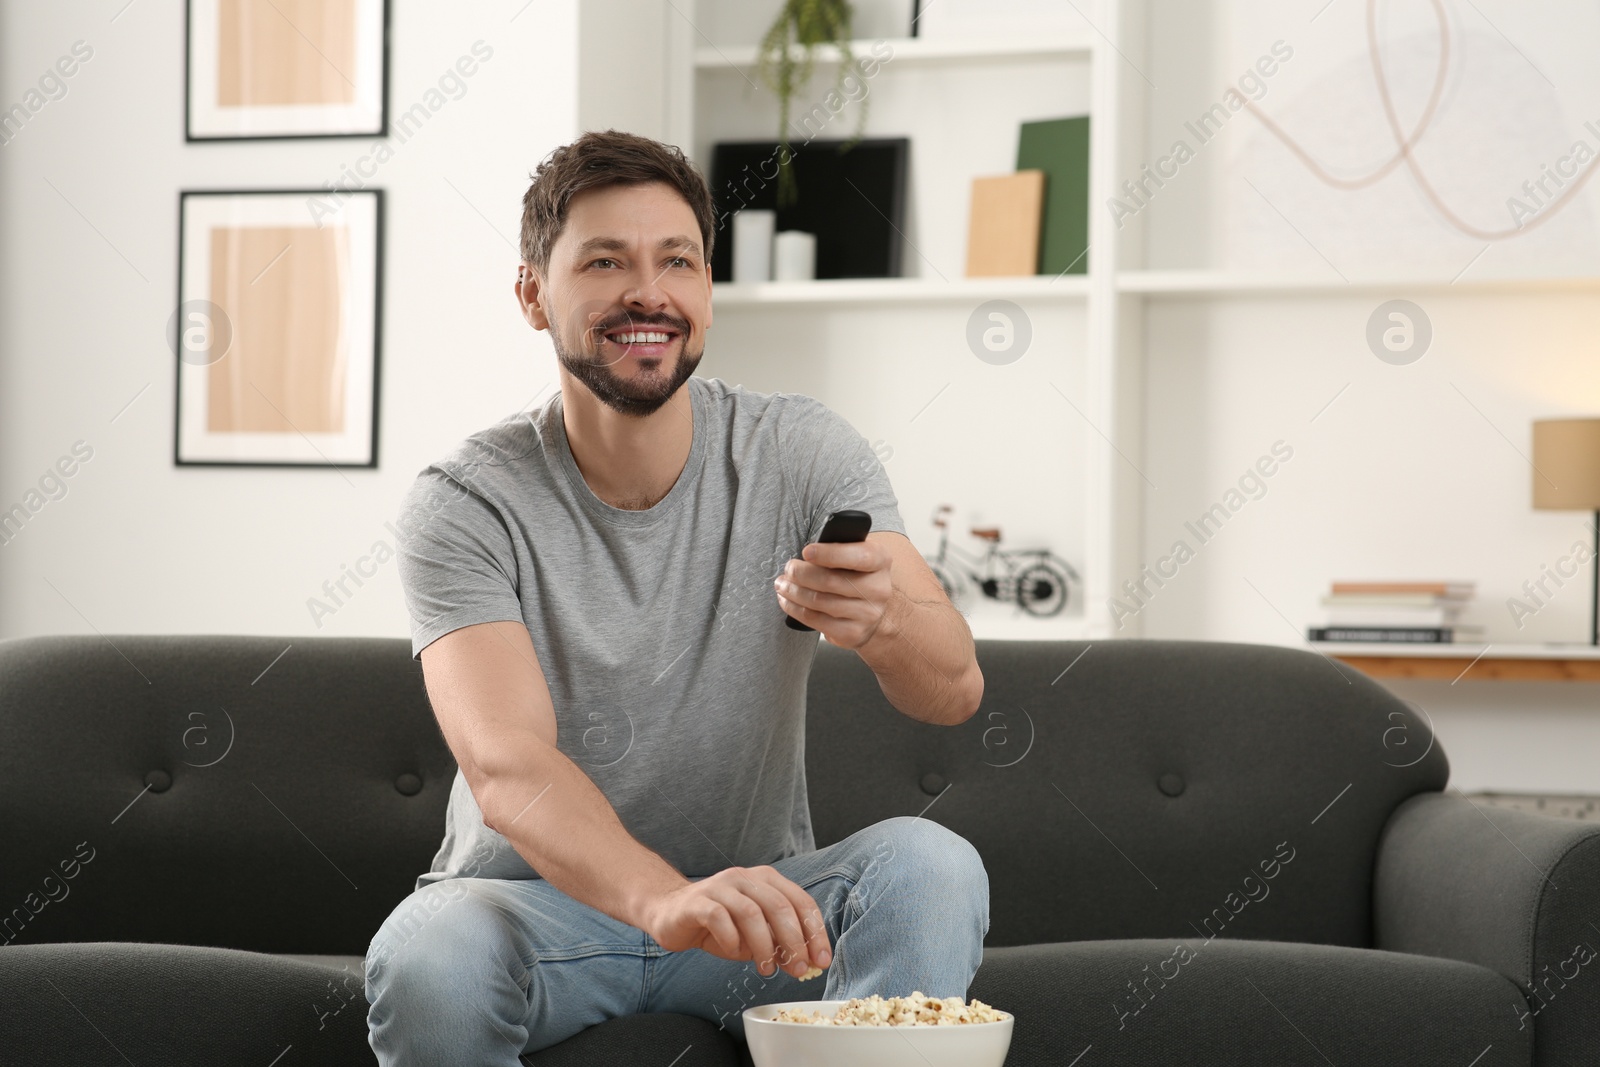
597	592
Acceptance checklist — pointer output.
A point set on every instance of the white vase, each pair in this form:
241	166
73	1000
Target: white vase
794	256
752	244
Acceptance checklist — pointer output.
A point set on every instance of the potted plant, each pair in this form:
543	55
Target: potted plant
801	25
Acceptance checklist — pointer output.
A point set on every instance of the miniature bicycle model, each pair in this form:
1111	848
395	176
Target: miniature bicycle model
1034	578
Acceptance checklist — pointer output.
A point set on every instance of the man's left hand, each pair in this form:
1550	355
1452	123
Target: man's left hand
840	590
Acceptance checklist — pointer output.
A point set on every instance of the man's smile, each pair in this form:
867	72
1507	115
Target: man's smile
641	342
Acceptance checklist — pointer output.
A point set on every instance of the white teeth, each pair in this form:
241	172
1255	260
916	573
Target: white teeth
639	338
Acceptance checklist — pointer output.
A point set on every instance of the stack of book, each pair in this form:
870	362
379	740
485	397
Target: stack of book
1399	612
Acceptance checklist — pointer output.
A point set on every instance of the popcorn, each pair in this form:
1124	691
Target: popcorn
811	972
915	1010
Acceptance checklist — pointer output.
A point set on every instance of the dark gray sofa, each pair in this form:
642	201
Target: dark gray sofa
1198	853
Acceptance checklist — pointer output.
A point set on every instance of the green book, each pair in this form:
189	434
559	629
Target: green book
1060	148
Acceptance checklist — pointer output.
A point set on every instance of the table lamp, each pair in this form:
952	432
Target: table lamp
1566	477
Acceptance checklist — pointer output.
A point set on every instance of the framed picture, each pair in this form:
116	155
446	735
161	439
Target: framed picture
261	69
276	330
967	20
854	201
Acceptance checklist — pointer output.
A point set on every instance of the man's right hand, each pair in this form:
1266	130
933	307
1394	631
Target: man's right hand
744	913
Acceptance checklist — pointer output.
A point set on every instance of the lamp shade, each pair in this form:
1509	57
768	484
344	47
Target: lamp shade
1566	458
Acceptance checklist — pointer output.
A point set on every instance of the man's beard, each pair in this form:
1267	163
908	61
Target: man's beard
628	397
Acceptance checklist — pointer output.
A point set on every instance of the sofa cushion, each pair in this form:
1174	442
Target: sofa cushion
182	1005
101	1002
663	1039
1193	1001
1138	788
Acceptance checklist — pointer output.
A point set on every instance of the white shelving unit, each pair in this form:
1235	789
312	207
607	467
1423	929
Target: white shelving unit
1043	447
1025	446
1034	459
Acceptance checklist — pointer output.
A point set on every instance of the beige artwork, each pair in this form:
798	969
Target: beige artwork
283	289
277	52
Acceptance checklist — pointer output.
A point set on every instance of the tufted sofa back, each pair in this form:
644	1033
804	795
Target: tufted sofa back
282	794
1139	788
215	790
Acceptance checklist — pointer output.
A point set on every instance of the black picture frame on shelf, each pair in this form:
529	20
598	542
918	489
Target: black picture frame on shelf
853	201
253	221
206	118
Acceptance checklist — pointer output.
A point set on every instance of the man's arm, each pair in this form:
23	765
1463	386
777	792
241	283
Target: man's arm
494	709
879	598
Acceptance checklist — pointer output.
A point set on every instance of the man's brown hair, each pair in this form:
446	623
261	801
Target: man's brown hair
597	160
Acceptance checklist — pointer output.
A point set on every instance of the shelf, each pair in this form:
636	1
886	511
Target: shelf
910	50
1076	286
1469	662
962	99
896	290
1179	282
1457	650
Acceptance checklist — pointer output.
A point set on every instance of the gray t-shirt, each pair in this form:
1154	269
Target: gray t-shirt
677	687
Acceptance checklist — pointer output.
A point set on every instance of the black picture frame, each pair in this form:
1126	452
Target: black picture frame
175	325
384	76
853	201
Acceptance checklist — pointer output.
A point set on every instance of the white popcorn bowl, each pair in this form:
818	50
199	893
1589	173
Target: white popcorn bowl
782	1044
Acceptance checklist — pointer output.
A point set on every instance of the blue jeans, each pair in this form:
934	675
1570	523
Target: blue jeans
480	970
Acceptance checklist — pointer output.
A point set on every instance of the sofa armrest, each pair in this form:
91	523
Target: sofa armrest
1511	891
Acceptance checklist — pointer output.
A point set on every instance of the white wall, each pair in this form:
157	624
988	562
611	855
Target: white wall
1414	471
623	65
87	282
1515	737
1418	470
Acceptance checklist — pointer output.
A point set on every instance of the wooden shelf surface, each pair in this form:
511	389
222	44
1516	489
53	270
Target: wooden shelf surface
1470	663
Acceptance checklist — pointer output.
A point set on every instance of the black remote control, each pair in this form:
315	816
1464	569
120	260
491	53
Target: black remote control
842	527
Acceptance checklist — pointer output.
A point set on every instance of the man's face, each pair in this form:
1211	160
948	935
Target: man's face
627	299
